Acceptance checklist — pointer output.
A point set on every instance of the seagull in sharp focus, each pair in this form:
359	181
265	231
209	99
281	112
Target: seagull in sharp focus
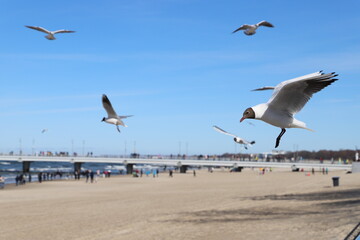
251	29
51	34
112	118
288	98
236	138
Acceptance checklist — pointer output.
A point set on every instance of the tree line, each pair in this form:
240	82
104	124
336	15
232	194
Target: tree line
344	154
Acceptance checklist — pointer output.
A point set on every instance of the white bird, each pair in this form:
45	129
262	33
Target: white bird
251	29
51	34
288	98
236	138
112	118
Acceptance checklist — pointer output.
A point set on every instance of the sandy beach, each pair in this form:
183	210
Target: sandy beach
219	205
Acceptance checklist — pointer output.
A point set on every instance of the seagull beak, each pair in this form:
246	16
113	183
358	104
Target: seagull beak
242	119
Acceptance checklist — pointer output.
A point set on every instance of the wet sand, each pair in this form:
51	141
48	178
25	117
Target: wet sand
218	205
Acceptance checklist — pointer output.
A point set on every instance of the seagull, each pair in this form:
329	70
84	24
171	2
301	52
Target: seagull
236	138
44	130
51	34
251	29
112	118
288	98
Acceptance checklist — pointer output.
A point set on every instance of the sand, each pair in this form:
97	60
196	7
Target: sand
219	205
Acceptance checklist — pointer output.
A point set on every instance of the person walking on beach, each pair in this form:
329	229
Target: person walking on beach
91	176
87	175
170	173
194	173
17	180
40	177
2	182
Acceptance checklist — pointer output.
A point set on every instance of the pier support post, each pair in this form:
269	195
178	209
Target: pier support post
183	168
26	166
129	168
77	167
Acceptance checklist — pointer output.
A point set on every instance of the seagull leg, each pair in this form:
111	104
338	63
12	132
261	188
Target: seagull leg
283	130
117	127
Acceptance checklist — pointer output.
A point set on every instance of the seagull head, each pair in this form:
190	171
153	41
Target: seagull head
103	119
248	113
237	140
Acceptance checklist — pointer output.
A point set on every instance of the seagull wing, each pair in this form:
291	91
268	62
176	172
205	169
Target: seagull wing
263	88
223	131
39	29
121	117
243	27
108	107
291	96
265	24
62	31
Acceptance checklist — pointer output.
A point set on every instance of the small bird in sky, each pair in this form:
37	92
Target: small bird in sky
251	29
51	34
112	118
288	98
236	138
44	130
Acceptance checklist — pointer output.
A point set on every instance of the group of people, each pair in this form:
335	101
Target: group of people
47	176
20	179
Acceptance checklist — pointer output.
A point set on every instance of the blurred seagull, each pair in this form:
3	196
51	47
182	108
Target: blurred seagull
112	118
51	34
288	98
236	138
251	29
44	130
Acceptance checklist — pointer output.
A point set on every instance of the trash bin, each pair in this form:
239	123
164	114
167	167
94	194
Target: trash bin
335	181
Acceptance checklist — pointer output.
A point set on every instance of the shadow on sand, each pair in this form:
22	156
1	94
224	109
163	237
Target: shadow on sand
332	204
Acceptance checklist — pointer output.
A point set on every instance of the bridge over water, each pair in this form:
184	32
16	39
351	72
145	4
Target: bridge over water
183	164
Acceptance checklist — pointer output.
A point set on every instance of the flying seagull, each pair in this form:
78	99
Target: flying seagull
288	98
51	34
44	130
112	118
251	29
236	138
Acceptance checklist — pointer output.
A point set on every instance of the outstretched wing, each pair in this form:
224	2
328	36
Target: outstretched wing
243	27
121	117
62	31
223	131
264	88
291	96
265	24
39	29
108	107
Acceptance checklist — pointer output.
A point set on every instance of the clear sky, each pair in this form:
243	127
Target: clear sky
176	66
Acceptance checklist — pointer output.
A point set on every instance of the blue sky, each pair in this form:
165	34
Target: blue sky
175	66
